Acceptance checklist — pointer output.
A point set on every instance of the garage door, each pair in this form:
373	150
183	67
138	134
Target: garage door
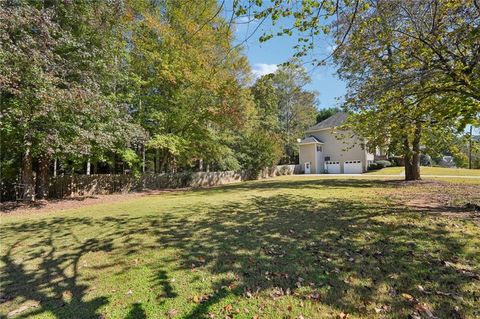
332	167
352	167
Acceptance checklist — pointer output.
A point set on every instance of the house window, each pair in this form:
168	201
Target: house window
319	148
327	158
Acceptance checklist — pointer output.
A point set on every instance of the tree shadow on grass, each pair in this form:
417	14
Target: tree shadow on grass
300	183
136	312
57	271
345	254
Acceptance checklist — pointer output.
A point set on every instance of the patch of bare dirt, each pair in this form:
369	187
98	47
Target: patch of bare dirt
448	199
42	206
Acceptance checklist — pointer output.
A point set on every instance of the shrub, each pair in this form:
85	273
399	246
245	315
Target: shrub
425	160
383	164
373	166
397	161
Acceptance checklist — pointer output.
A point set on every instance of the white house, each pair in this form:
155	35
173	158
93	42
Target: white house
327	149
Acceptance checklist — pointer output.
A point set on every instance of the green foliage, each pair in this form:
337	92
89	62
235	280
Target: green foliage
189	85
284	107
324	114
258	150
172	143
130	157
58	81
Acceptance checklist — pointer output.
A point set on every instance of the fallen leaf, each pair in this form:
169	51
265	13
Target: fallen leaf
228	308
423	308
200	299
407	297
67	295
172	313
343	315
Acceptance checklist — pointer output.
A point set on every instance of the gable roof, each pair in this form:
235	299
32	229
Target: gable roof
310	139
335	120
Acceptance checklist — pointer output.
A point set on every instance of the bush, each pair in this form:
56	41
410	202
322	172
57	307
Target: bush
397	161
383	164
373	166
425	160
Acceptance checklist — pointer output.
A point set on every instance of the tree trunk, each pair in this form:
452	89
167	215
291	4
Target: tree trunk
412	158
155	161
27	174
43	177
88	166
143	158
55	168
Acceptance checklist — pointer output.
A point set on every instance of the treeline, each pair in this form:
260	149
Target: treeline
137	85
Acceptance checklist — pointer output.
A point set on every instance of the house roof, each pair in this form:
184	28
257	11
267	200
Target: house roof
333	121
310	139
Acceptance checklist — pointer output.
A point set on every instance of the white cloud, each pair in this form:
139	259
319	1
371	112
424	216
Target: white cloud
244	19
331	48
261	69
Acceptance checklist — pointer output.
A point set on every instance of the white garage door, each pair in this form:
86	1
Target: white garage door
352	167
332	167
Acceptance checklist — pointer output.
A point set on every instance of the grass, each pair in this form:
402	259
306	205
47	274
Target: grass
396	170
281	248
426	171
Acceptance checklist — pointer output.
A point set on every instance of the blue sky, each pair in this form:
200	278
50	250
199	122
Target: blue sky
264	58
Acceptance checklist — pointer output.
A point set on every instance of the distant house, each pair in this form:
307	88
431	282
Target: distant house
447	161
326	149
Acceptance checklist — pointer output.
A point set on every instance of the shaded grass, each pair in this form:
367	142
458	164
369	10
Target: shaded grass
278	248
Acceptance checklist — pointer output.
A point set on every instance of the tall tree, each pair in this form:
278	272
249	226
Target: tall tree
58	62
286	107
324	114
191	81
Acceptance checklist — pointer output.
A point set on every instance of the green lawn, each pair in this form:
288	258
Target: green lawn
425	171
290	247
387	171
